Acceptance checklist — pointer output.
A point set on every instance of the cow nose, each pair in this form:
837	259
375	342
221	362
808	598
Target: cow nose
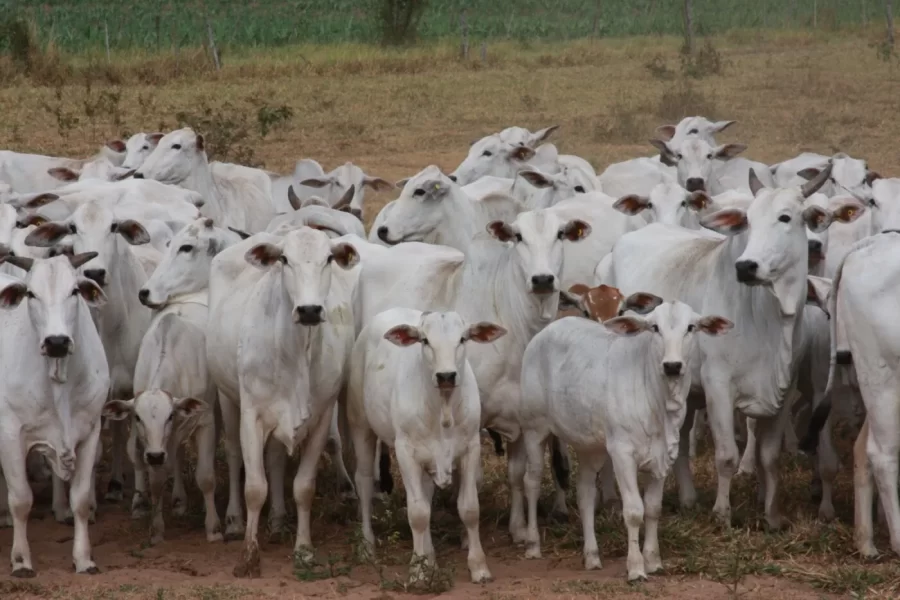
98	275
542	284
695	184
672	368
356	213
57	346
143	296
310	314
138	175
446	379
746	270
815	246
383	234
452	178
155	458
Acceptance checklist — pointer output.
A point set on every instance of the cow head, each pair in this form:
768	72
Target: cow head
848	176
138	148
667	203
421	207
519	136
303	259
692	127
885	205
492	156
693	160
176	157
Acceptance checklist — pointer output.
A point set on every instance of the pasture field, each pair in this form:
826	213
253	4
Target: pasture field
394	112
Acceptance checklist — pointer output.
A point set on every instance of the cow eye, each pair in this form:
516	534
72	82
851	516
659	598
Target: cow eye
693	132
518	237
709	156
872	203
75	292
691	327
171	416
145	148
176	146
679	155
654	328
684	204
283	259
462	340
831	179
330	259
424	341
785	218
137	417
72	228
487	153
579	189
186	248
29	294
419	192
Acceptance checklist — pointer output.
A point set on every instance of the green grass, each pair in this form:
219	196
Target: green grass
154	25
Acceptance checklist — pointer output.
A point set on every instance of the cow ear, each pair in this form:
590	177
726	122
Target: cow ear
12	294
403	335
631	204
729	151
484	332
817	218
698	200
665	132
201	143
48	234
871	176
666	156
538	180
38	200
116	145
572	301
378	184
521	153
263	255
754	183
133	232
714	325
79	260
315	182
626	326
36	220
63	174
808	173
817	291
117	410
190	406
154	138
402	183
294	200
642	302
729	221
91	292
720	126
502	231
345	255
541	135
575	230
847	213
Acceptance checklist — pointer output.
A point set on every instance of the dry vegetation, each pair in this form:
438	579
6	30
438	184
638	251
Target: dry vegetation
395	112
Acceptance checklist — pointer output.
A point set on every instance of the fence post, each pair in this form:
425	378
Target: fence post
464	50
865	17
106	39
484	52
689	26
596	20
889	16
815	14
212	44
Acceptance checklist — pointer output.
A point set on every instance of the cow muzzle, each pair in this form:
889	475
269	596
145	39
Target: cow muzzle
672	368
695	184
543	284
98	276
309	315
155	459
56	346
747	272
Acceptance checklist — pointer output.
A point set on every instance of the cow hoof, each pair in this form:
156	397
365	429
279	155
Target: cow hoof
637	577
23	573
592	561
179	507
532	550
92	570
558	516
347	491
113	492
249	565
482	576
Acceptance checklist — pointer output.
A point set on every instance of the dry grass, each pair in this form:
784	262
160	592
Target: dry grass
396	112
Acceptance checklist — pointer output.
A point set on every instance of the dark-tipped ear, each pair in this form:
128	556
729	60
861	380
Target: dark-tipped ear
79	260
116	410
12	294
575	230
63	174
871	177
315	182
116	146
572	301
28	221
48	234
521	153
403	335
631	204
484	332
190	406
502	231
729	221
378	184
345	255
808	173
133	232
849	212
665	132
729	151
242	234
23	262
714	325
91	292
817	218
666	156
755	184
535	178
541	135
698	201
201	143
263	255
38	201
154	138
626	326
642	302
817	291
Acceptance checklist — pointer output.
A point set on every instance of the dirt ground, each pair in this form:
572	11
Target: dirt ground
394	113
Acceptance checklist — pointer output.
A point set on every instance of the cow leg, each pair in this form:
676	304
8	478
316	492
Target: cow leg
771	434
653	497
5	518
863	496
748	459
515	467
632	510
205	438
882	447
179	493
140	502
276	464
19	497
62	511
231	423
586	492
687	493
418	510
117	462
698	428
158	477
608	490
428	494
827	460
253	442
467	504
365	445
335	449
534	470
305	483
720	411
80	499
560	470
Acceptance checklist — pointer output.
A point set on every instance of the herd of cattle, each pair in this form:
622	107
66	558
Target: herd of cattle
165	296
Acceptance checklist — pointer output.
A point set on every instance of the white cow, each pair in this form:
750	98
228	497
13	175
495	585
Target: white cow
492	156
697	165
334	223
423	402
519	136
281	329
236	196
533	189
688	127
848	175
636	176
54	385
668	203
757	277
138	148
334	185
123	320
26	173
614	398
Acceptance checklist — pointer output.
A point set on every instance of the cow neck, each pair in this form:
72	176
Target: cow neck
457	226
126	277
201	180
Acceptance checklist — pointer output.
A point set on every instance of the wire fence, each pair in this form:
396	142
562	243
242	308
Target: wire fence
154	25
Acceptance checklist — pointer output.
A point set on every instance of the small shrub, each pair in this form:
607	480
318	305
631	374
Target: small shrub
683	100
272	117
226	130
399	21
659	69
705	62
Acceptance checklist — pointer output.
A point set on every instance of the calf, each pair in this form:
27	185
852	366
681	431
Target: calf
55	380
424	403
630	410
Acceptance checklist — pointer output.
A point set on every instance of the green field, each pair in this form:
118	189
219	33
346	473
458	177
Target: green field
77	26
